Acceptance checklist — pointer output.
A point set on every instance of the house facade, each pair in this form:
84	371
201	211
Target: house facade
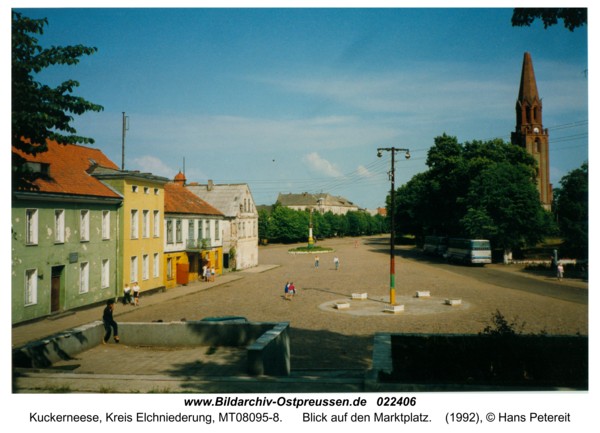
64	235
193	235
322	203
140	219
240	223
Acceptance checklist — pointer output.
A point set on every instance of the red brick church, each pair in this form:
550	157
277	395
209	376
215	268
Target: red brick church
530	134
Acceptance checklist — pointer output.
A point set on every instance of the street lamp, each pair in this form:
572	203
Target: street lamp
392	265
310	226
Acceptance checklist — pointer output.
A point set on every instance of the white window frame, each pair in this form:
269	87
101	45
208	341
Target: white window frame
156	265
105	225
105	273
169	232
178	231
156	191
84	277
207	229
146	190
156	226
84	225
217	237
169	268
31	226
133	270
59	226
134	188
145	223
145	267
31	277
134	223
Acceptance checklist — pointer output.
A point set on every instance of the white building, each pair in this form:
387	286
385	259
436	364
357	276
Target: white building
240	225
322	203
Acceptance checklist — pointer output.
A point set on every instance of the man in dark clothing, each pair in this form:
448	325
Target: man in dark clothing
109	322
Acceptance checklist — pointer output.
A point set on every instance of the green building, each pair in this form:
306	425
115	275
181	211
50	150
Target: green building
64	235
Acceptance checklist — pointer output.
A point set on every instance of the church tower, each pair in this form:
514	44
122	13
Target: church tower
529	133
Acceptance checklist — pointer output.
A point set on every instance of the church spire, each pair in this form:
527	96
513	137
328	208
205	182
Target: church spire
528	89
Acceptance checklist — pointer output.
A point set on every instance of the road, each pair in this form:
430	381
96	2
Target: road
489	275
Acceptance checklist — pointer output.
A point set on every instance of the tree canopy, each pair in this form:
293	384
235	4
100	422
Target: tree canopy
572	211
40	112
572	17
477	190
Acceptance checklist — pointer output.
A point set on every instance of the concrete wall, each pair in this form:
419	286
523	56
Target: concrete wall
268	351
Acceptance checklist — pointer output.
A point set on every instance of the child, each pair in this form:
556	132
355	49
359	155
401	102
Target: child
136	295
291	290
287	289
109	322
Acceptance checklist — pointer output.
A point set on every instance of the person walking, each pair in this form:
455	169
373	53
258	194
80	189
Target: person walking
109	322
355	244
204	273
287	290
291	290
336	261
212	274
136	295
559	271
317	262
126	294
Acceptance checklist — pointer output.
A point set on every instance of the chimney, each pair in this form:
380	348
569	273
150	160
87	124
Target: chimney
210	185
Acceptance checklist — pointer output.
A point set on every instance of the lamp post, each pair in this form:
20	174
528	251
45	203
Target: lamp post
310	226
392	178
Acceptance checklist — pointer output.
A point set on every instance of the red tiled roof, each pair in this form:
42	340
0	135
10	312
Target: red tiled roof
179	199
382	211
68	165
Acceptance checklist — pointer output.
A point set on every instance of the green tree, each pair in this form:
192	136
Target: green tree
332	222
285	224
264	223
572	17
39	112
572	211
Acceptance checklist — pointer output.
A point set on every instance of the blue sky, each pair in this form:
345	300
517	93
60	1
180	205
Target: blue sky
295	100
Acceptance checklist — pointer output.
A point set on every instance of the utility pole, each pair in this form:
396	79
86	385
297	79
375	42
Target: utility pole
392	246
125	128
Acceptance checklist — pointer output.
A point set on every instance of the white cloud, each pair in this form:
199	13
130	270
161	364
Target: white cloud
321	166
363	172
151	164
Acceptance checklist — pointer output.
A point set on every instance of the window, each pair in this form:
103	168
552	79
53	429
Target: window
85	225
146	190
145	267
156	224
146	224
155	191
84	277
216	229
156	265
169	231
59	226
134	188
200	229
30	287
31	222
190	229
134	224
105	273
39	167
244	229
105	224
134	269
207	230
245	209
169	269
179	231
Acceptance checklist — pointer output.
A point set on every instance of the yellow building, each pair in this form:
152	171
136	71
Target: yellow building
141	243
193	235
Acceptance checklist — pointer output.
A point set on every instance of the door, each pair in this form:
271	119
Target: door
55	294
183	273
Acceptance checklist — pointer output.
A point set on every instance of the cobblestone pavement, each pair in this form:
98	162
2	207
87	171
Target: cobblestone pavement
320	339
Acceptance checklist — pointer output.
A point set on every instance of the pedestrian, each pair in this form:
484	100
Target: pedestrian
287	290
212	274
355	244
136	295
204	273
317	262
126	294
553	260
109	322
559	271
336	261
291	290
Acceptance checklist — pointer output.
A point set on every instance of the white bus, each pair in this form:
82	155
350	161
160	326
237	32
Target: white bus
476	251
436	245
